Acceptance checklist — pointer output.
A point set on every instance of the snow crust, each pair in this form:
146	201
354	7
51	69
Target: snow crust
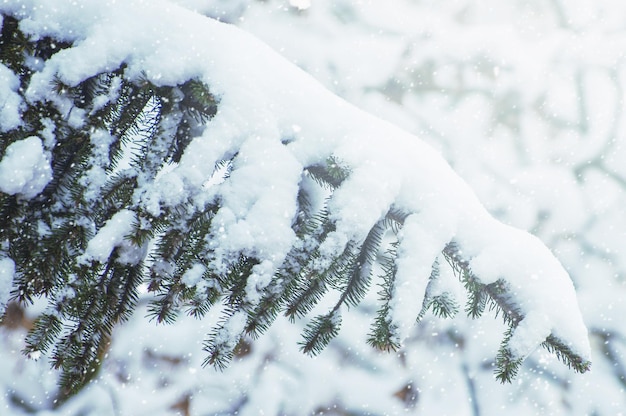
25	169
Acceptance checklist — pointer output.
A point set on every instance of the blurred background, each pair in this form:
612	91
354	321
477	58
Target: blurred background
525	99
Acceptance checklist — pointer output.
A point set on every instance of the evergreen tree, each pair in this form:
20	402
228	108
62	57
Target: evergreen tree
98	217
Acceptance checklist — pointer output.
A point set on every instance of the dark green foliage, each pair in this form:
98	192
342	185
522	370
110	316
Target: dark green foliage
356	279
306	286
177	250
320	331
221	342
507	366
46	329
382	333
564	353
220	346
350	274
443	305
331	174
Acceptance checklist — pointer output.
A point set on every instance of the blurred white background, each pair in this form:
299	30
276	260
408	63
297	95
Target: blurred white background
525	99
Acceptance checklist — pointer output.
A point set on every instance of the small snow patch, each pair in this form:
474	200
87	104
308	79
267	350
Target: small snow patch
109	237
25	169
7	270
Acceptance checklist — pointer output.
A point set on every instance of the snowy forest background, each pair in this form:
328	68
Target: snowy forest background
525	100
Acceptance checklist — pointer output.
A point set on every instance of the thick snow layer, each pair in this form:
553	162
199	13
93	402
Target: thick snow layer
417	253
25	169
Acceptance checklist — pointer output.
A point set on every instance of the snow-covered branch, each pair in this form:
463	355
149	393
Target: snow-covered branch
256	186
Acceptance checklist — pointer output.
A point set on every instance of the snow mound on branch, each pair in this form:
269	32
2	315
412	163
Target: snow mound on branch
7	270
25	169
539	285
261	98
9	100
111	236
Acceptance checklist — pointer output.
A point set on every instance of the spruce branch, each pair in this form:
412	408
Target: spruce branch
286	280
198	101
443	305
565	354
357	275
500	299
310	290
306	285
44	334
223	339
331	174
319	332
263	315
352	279
507	366
382	331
